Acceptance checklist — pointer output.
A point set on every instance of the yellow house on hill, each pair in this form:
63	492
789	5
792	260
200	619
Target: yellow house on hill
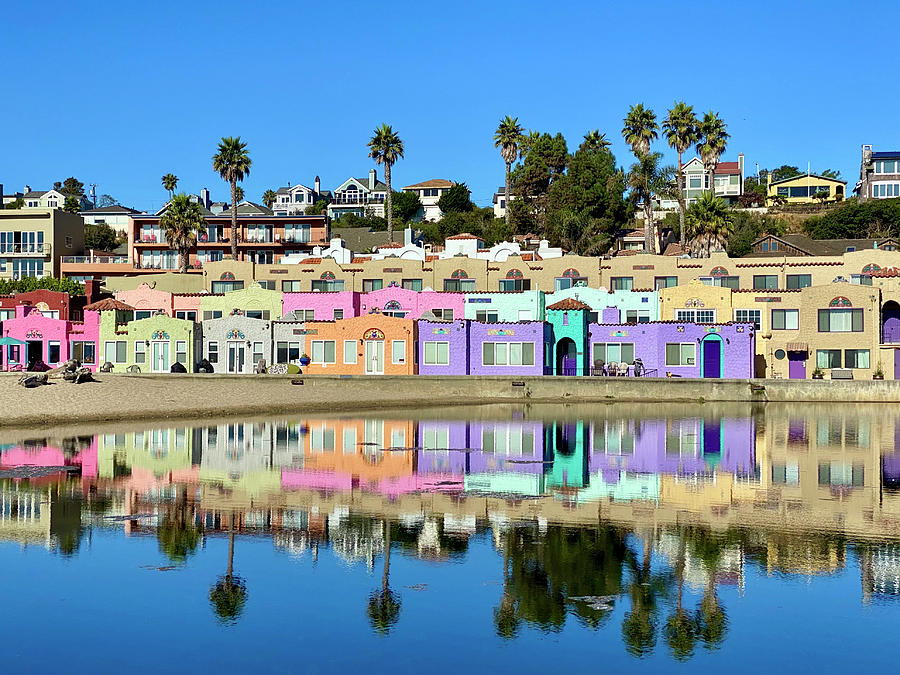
802	189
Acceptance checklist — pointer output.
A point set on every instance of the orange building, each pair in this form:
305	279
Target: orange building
356	447
373	344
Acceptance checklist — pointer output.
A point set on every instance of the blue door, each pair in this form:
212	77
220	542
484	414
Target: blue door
712	358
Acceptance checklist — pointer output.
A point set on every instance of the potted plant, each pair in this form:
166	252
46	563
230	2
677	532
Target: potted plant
879	373
304	359
818	374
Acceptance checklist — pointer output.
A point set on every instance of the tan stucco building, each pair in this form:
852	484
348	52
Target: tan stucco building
33	241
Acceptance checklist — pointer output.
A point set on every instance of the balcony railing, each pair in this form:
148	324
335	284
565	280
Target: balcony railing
96	260
25	249
343	200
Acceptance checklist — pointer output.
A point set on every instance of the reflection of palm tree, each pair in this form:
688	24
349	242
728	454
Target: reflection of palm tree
384	605
178	538
712	621
639	625
506	619
681	628
229	595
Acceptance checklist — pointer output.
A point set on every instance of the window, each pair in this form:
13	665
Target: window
398	351
327	285
350	351
287	352
321	439
694	182
799	281
765	281
212	352
507	440
562	283
225	286
115	352
257	352
840	320
459	285
515	284
753	316
637	316
181	351
322	351
140	351
664	282
437	353
186	314
84	352
305	314
412	284
856	358
696	315
621	283
53	351
887	166
268	284
785	319
337	315
289	286
257	314
613	352
733	283
486	316
349	441
861	279
442	314
828	358
143	313
886	190
7	314
680	354
370	285
214	314
507	354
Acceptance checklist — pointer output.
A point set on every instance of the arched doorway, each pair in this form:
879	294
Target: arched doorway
711	356
566	357
890	322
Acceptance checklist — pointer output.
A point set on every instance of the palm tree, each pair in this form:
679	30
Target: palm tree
182	223
508	137
170	182
711	141
383	607
680	130
640	129
581	234
709	224
639	624
232	163
647	179
229	594
239	194
385	147
595	141
269	198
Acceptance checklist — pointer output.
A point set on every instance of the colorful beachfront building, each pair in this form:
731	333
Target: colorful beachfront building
373	344
34	338
152	345
237	343
402	302
320	306
504	307
254	301
148	300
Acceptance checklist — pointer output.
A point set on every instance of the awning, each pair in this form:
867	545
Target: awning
6	341
797	347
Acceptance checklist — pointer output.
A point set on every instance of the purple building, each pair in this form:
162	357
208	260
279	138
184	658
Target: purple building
673	348
508	348
443	347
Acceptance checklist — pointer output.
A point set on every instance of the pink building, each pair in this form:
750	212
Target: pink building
324	306
409	304
34	337
146	301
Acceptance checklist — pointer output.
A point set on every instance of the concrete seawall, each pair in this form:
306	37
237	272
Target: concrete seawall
135	397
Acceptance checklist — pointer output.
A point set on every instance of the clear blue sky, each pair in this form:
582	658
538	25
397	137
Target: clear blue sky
120	93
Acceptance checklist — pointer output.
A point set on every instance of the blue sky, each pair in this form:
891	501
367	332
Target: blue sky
119	93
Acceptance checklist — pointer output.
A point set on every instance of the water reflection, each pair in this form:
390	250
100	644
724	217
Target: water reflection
642	522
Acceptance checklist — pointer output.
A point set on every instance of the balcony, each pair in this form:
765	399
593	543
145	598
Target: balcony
355	200
25	249
99	260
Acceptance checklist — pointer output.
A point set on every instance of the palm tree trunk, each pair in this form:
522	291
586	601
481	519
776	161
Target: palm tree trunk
681	201
184	261
649	235
390	214
234	249
230	570
506	192
385	583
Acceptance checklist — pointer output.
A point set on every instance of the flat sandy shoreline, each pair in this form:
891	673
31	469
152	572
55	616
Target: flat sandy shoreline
143	397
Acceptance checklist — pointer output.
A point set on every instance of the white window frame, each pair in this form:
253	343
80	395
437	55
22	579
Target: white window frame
140	351
681	345
351	346
436	347
402	360
322	343
757	322
212	351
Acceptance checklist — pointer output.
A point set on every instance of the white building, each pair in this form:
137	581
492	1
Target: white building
293	200
114	216
41	199
359	196
429	193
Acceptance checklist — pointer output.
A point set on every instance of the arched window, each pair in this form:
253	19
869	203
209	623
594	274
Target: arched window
871	268
373	334
840	301
718	272
459	274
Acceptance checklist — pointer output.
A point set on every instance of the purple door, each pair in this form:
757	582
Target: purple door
712	358
897	364
797	365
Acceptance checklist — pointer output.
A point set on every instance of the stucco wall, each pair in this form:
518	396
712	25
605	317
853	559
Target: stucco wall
322	304
456	335
525	331
237	329
507	305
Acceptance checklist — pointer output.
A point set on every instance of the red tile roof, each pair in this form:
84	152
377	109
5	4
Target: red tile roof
108	304
392	244
463	235
568	304
727	168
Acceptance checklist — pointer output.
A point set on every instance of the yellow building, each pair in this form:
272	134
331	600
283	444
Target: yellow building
803	189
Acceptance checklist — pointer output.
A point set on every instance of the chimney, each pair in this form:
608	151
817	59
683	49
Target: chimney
26	190
407	236
317	186
373	177
204	197
90	289
741	166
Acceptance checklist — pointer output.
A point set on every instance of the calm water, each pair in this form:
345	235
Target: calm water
510	539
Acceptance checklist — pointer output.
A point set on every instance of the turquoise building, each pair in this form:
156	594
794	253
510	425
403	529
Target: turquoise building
504	307
569	351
